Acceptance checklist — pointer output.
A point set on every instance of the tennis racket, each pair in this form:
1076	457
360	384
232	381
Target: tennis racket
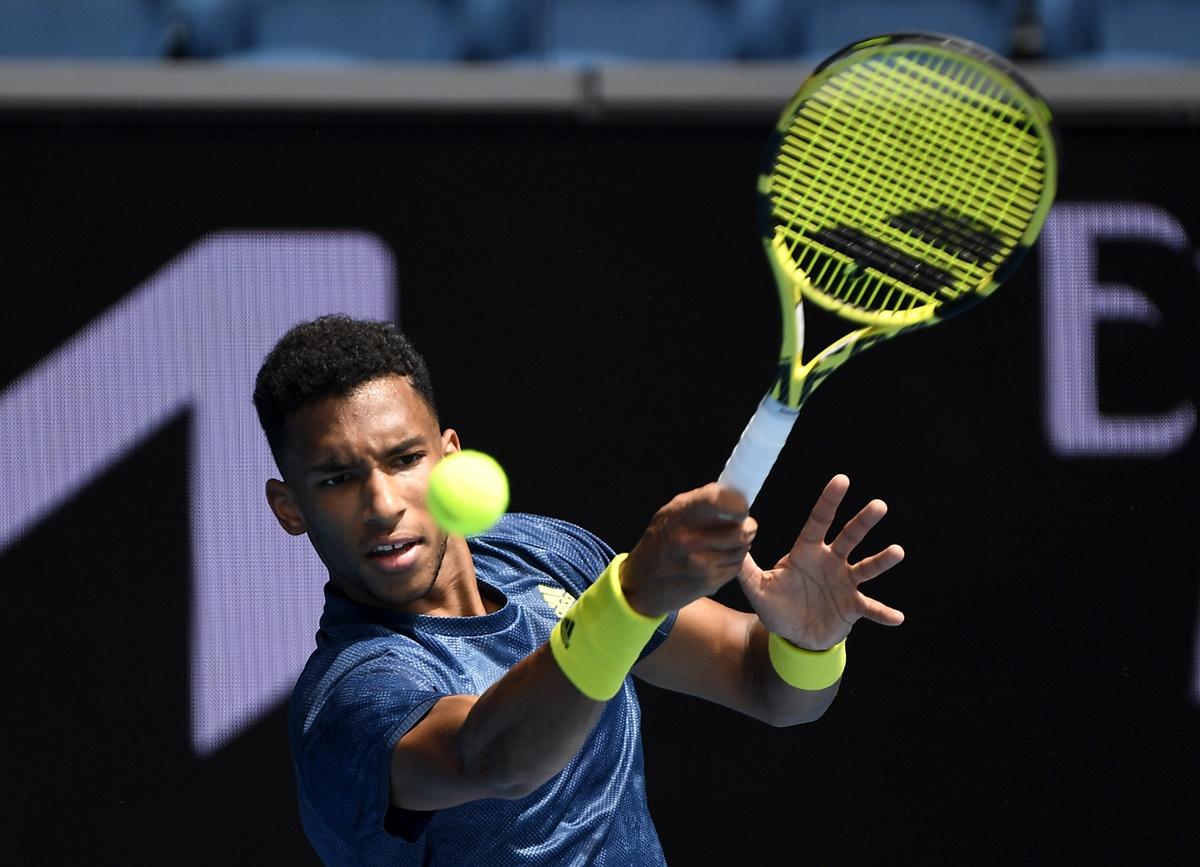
906	180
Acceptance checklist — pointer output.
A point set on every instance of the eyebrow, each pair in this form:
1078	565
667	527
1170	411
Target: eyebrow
334	465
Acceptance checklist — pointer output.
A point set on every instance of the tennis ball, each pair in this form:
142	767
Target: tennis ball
468	492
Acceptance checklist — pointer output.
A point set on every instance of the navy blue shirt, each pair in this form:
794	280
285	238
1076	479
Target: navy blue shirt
377	672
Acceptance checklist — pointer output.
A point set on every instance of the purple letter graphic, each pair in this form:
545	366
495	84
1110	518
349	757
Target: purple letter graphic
193	337
1074	302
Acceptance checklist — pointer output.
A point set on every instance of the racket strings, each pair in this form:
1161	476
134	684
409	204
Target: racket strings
988	130
861	190
1013	130
859	170
901	184
917	154
938	170
983	131
857	190
922	159
966	132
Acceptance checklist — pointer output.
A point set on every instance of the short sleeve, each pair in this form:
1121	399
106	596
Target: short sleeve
346	724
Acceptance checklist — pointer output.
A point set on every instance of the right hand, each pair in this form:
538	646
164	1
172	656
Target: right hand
694	545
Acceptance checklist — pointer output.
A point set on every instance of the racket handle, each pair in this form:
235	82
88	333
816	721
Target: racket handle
761	443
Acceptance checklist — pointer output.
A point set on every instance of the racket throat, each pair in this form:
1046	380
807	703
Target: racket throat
805	376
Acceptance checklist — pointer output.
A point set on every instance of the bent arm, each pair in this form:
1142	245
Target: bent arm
720	655
503	744
529	724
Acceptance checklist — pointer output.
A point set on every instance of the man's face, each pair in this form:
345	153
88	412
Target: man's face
357	469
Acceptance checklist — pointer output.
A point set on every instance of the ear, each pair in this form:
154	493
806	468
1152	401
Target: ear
450	441
287	511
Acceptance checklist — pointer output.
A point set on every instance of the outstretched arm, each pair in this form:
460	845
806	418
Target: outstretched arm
811	598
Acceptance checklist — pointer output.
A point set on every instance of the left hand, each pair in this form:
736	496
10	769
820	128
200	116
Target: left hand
811	597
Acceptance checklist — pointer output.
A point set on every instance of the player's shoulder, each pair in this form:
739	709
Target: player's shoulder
537	531
346	654
552	545
351	664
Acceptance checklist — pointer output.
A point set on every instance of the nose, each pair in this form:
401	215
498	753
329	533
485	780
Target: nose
383	500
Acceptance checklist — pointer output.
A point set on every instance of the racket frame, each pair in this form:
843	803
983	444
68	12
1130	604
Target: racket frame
767	432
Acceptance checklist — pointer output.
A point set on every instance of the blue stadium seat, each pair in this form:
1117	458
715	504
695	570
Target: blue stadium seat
502	29
212	28
1148	29
1120	30
349	31
336	31
583	31
770	29
1070	28
85	29
821	27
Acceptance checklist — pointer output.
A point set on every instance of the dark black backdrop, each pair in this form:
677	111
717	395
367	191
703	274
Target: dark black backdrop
594	305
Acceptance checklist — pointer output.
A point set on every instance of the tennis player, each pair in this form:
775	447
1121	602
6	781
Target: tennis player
469	701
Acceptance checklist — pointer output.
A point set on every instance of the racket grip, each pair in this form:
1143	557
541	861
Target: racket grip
761	443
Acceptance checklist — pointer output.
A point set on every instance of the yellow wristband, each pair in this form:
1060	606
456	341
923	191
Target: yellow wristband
598	640
806	669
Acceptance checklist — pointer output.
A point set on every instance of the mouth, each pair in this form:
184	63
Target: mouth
395	556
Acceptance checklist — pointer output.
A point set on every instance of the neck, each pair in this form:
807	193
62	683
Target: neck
455	592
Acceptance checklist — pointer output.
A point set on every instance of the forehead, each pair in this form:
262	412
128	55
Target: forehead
375	416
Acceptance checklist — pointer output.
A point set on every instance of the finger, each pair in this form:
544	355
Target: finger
714	569
857	528
714	504
823	513
721	537
877	612
752	579
750	569
703	561
876	565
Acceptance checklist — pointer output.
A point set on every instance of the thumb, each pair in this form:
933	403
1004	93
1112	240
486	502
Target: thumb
751	578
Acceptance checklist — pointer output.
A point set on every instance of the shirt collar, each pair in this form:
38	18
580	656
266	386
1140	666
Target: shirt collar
342	611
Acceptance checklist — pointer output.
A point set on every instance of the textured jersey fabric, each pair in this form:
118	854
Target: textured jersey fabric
376	673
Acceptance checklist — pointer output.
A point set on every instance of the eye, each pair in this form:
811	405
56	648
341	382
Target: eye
407	460
333	481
